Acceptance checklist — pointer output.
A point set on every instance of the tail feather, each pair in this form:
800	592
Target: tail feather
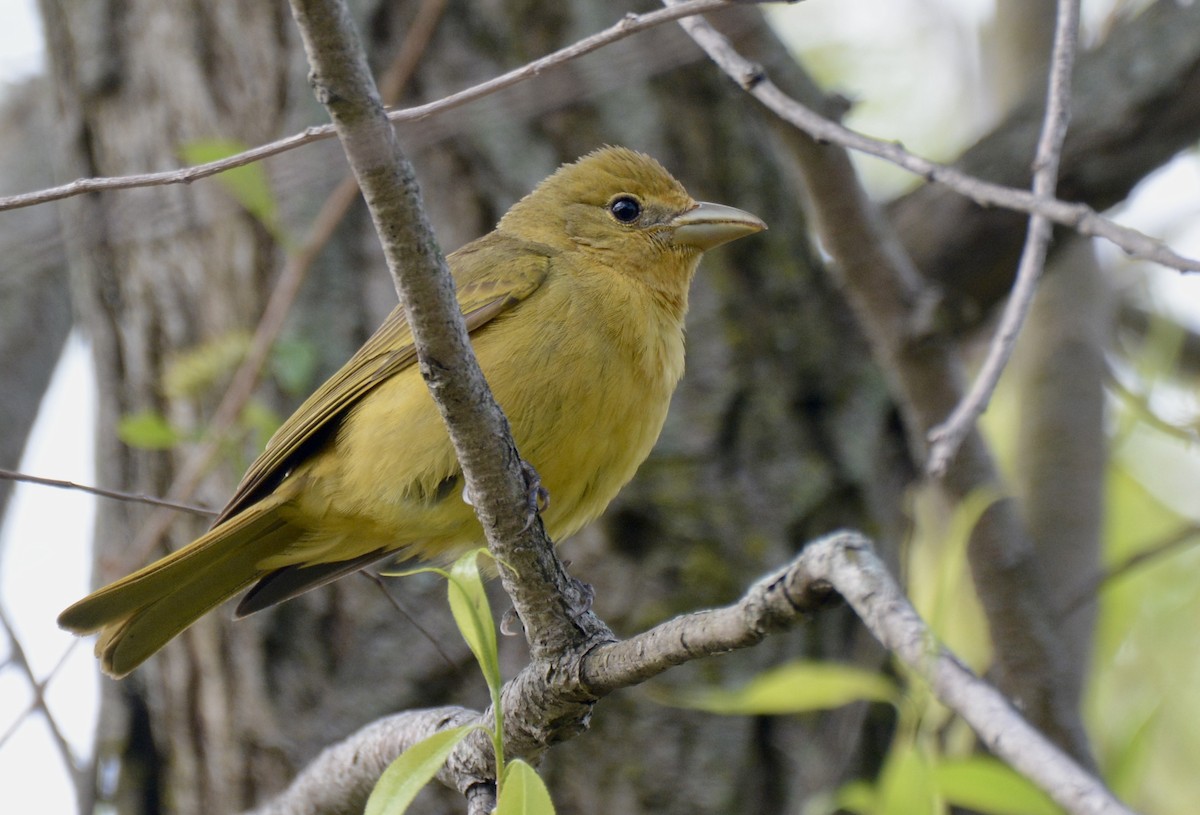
138	615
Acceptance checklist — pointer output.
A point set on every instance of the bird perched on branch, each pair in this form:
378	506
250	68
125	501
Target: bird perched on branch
575	305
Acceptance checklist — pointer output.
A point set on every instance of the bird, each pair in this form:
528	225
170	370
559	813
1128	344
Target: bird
575	306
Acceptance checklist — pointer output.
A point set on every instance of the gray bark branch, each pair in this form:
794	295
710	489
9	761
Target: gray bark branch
845	563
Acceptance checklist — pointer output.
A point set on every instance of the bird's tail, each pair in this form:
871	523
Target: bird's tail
139	614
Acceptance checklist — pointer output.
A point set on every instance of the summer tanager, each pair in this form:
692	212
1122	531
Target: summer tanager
575	304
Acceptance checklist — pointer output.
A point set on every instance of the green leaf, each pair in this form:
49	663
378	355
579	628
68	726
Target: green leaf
989	786
797	687
522	792
473	615
853	796
905	784
247	184
294	364
148	430
411	771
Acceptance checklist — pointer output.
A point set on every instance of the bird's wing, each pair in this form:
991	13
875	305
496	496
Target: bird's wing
492	275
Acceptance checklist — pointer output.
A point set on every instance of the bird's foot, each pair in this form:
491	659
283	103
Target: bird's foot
537	496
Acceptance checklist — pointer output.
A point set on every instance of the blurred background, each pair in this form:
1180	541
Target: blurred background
123	317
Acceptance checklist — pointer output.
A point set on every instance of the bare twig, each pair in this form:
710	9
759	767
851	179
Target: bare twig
38	702
945	438
849	565
115	494
628	25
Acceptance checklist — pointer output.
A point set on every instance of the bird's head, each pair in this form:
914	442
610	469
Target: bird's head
626	212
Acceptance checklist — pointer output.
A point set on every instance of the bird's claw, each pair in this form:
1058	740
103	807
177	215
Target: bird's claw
537	496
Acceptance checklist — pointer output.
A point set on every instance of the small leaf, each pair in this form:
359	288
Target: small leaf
473	615
523	792
247	184
989	786
411	771
797	687
853	796
294	364
905	785
148	430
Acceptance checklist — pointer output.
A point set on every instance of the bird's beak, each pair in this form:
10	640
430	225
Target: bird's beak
708	225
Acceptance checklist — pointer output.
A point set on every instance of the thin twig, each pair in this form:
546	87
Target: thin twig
944	440
118	495
38	702
628	25
1181	538
80	776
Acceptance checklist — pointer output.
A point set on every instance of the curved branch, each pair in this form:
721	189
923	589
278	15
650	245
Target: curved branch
844	562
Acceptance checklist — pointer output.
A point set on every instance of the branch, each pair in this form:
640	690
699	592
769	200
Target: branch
845	563
630	24
1079	217
132	497
1136	105
945	438
340	779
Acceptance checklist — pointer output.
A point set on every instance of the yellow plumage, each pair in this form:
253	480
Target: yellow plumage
575	304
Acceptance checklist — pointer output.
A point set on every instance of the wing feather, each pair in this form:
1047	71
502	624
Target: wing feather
492	275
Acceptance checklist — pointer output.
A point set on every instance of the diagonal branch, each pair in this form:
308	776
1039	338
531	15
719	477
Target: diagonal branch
1080	217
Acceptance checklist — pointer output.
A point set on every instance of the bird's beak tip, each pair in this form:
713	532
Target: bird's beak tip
709	225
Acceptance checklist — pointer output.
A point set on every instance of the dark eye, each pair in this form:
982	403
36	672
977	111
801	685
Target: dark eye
625	209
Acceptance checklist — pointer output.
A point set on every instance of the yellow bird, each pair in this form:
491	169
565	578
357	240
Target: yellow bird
575	304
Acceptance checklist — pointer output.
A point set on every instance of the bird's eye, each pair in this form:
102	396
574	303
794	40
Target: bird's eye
625	209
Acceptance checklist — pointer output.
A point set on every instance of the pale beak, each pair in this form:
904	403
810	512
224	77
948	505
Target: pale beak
708	225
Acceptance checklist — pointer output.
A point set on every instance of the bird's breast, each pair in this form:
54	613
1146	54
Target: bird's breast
586	391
